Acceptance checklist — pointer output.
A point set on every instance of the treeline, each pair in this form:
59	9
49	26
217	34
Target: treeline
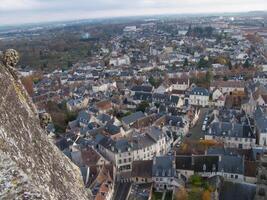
201	32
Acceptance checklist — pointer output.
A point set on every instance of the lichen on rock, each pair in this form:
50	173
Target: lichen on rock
31	167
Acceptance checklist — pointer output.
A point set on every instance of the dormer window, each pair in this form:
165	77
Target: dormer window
204	167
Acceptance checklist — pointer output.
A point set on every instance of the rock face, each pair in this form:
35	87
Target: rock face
31	167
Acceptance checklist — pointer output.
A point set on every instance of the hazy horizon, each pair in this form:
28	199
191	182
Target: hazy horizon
13	12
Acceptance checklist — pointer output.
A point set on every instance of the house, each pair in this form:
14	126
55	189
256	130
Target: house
260	77
166	99
119	61
84	119
131	119
260	95
249	105
102	186
161	89
114	132
176	124
216	94
141	88
261	126
142	171
144	146
99	87
104	106
228	87
232	135
261	189
77	104
180	84
230	167
218	98
199	97
138	97
163	173
90	157
204	165
250	174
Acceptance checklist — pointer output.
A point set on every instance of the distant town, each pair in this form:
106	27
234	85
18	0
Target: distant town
154	108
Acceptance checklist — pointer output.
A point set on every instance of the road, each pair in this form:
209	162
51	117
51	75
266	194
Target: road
196	132
121	191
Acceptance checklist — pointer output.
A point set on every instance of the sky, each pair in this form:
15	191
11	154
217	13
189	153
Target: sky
28	11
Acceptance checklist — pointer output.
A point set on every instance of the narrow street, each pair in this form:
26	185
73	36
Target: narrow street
196	132
121	191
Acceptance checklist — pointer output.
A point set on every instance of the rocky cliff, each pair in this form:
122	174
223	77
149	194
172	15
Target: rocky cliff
31	167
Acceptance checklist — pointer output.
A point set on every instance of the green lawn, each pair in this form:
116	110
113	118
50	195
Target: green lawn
168	196
195	194
157	195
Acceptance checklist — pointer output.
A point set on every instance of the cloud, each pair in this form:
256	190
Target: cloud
14	5
22	11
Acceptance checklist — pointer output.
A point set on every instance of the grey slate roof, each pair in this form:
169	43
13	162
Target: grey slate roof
83	117
143	96
163	167
261	120
232	164
142	88
112	129
234	191
133	117
198	163
104	118
200	91
227	129
165	99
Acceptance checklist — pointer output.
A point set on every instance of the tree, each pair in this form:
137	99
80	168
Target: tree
203	63
142	106
246	64
230	65
206	195
155	82
195	180
185	62
69	64
208	76
181	194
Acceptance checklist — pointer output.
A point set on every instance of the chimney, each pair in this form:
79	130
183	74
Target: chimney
154	161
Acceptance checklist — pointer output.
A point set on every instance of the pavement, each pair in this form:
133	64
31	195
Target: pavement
196	132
